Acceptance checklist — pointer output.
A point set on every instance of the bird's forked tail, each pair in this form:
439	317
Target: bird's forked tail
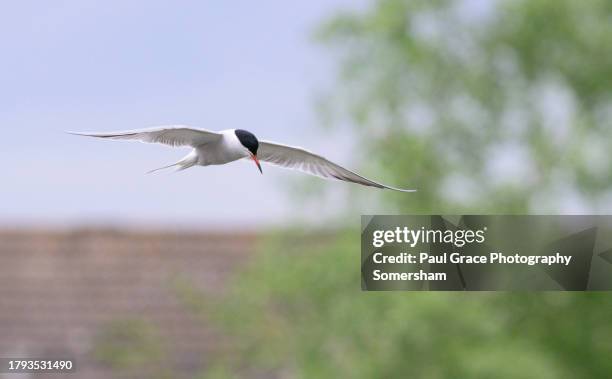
189	161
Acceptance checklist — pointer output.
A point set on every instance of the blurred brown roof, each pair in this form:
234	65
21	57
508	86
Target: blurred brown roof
59	289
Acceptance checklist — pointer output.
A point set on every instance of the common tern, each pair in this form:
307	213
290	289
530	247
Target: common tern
217	148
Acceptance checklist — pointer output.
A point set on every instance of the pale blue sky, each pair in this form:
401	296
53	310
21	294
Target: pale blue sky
112	65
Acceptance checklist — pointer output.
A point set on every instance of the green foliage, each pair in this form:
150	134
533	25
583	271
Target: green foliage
503	110
299	311
131	344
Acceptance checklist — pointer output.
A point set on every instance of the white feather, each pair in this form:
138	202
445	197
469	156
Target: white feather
303	160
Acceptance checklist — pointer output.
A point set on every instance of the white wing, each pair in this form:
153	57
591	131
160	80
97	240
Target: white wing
178	135
299	159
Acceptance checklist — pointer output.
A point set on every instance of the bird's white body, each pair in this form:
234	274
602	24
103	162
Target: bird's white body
224	150
217	148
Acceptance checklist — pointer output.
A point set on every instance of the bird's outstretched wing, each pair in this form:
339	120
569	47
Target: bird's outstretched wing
175	135
303	160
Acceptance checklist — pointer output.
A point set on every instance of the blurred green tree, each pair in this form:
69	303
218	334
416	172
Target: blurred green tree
298	312
500	106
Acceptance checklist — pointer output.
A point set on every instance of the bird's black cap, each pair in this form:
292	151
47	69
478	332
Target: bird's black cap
248	140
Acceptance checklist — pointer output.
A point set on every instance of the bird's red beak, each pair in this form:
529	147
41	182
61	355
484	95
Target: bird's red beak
254	158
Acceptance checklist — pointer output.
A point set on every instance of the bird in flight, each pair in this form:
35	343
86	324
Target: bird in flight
217	148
